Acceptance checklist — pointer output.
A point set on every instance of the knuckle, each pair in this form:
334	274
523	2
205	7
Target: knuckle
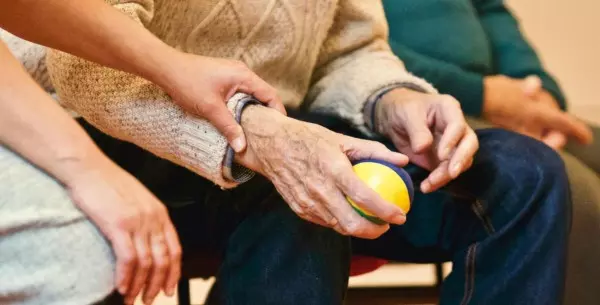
127	220
239	66
128	258
162	263
352	227
337	167
145	262
205	108
450	100
176	254
159	211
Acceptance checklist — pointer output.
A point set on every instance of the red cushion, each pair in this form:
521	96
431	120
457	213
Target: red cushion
365	264
205	266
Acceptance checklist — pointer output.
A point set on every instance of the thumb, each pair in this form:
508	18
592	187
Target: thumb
222	119
531	85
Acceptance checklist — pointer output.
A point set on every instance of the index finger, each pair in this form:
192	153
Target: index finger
253	85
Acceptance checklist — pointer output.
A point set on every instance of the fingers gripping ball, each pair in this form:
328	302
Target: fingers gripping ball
391	182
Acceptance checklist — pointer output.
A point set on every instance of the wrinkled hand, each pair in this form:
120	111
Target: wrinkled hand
135	222
203	85
523	106
310	167
431	130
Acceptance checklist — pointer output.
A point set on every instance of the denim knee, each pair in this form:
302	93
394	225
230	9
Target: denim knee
529	171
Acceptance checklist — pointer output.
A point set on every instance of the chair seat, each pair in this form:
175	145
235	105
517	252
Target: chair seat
206	266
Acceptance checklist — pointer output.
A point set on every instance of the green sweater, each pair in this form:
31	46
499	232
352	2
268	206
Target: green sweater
455	43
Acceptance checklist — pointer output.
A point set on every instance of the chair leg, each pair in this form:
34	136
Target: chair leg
183	292
439	275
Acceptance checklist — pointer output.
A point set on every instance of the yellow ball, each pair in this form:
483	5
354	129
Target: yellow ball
392	183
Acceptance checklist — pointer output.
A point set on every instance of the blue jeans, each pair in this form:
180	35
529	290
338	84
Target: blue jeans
504	224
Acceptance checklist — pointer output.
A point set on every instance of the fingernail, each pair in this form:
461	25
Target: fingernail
425	186
238	145
122	289
456	168
170	292
399	219
445	153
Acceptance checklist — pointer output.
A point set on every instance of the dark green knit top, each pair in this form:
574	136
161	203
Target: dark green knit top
455	43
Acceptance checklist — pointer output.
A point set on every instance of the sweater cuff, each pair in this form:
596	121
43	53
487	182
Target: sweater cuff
201	146
231	170
409	81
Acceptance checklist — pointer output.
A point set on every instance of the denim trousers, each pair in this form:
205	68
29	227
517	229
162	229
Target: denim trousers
503	224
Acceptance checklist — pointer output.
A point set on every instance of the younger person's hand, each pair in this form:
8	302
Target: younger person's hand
202	85
134	221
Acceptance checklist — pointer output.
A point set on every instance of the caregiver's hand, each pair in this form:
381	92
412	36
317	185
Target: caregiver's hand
310	167
203	85
431	130
133	220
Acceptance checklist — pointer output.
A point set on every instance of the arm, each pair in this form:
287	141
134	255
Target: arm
96	31
513	55
100	33
356	64
465	86
38	129
135	110
30	120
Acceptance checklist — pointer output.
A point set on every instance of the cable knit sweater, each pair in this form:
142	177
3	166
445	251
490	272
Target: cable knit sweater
327	56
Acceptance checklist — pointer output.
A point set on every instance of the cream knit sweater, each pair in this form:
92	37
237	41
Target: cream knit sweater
329	56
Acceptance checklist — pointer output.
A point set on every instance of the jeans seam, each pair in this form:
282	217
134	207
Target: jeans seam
469	274
483	217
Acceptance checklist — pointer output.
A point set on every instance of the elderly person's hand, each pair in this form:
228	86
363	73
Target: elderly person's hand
431	130
311	168
133	220
523	106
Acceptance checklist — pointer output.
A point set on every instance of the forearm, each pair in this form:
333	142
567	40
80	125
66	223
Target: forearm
96	31
37	128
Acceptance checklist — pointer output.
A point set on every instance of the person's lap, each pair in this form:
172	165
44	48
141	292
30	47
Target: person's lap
50	253
251	224
582	268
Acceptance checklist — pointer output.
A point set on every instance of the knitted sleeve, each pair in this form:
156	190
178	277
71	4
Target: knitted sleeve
513	55
356	63
132	109
32	56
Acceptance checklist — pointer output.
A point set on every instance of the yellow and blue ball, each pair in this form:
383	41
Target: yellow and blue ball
391	182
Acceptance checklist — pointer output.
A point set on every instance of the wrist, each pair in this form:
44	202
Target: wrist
261	125
384	108
165	73
72	169
489	95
